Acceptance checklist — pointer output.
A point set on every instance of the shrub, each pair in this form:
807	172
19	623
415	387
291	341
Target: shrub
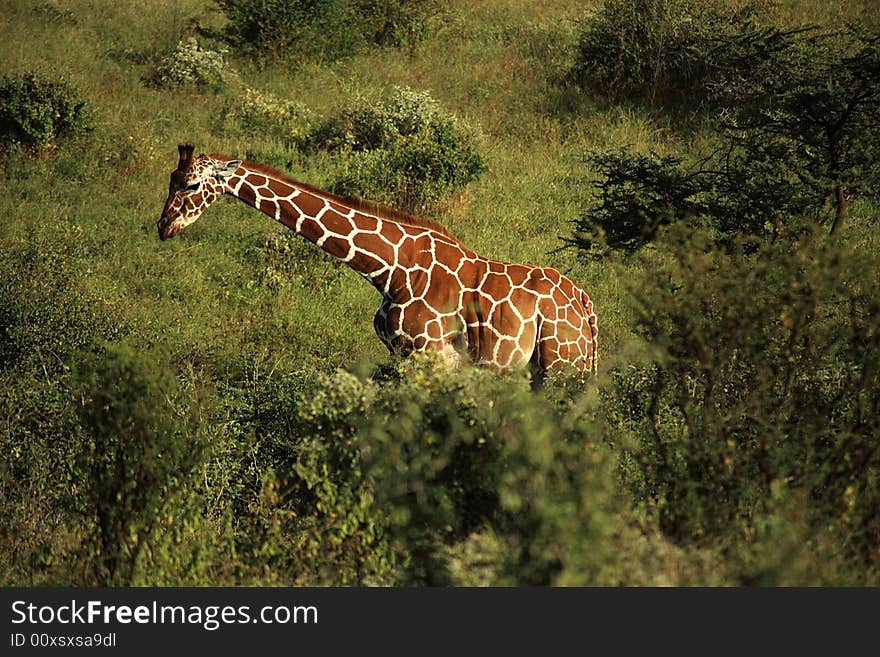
764	384
96	485
41	501
637	195
796	125
368	126
140	451
322	29
396	23
412	177
432	476
46	321
798	136
360	127
809	109
301	510
407	152
269	116
732	194
37	112
667	50
275	29
191	64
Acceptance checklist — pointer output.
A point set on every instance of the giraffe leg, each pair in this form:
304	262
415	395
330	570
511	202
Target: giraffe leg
558	350
386	324
380	325
538	373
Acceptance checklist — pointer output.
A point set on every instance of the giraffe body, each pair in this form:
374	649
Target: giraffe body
437	295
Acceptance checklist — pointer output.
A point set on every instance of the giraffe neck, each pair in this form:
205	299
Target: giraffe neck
368	242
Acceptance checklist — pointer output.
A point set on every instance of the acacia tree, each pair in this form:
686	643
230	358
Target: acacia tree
811	109
797	129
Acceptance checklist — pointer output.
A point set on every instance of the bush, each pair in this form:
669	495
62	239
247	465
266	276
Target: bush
763	386
798	136
191	64
732	194
413	176
140	452
808	110
396	23
41	501
667	50
37	112
323	29
637	195
797	106
407	152
302	514
267	115
431	476
96	484
46	321
369	126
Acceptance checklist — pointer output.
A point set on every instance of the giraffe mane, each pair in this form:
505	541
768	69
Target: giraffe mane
355	202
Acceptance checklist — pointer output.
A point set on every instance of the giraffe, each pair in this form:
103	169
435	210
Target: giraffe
437	295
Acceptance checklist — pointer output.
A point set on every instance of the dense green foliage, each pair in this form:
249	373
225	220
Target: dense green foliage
138	451
215	409
733	195
190	65
35	111
322	29
407	152
288	121
765	375
794	132
809	111
669	50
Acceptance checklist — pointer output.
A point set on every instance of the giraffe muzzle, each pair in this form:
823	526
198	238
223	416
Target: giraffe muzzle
167	229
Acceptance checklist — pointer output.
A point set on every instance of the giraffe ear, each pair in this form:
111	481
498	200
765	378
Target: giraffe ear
226	169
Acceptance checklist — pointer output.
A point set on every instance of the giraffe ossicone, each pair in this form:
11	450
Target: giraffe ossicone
437	295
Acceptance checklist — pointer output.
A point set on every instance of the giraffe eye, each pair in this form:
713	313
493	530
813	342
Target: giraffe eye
194	187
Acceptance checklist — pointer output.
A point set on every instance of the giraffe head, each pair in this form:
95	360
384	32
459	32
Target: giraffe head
195	184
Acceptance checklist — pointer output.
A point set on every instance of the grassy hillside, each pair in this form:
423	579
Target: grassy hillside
181	382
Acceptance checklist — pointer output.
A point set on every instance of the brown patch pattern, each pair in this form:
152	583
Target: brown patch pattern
436	293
